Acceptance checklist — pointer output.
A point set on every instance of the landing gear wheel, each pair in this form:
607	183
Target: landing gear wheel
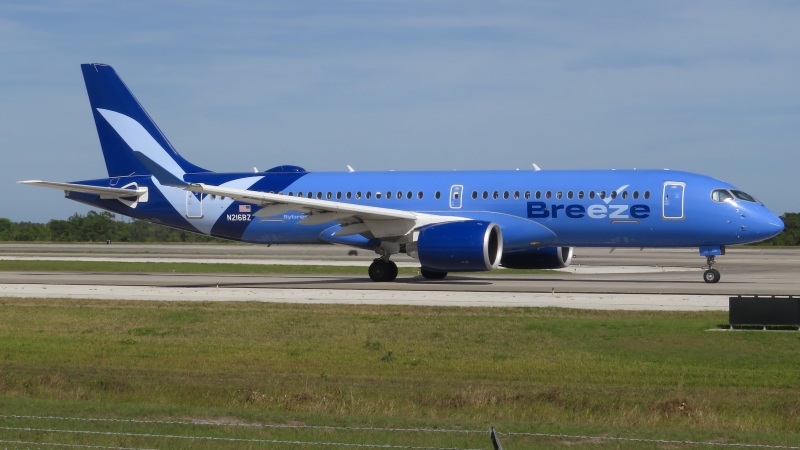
711	276
432	275
392	271
382	270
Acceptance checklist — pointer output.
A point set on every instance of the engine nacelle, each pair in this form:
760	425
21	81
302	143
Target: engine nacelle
468	246
539	258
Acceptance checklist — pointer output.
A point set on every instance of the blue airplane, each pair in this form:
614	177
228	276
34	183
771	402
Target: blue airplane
451	221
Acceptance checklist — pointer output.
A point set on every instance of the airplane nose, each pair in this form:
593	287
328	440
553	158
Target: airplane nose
765	226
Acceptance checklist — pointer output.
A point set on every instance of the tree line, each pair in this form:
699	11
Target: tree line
103	227
95	227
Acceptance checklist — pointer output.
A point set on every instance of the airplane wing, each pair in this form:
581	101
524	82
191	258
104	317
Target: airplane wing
382	223
129	191
355	219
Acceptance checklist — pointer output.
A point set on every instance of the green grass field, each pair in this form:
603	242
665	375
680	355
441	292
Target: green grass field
649	375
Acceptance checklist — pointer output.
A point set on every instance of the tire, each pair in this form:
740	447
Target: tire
382	271
711	276
432	274
392	272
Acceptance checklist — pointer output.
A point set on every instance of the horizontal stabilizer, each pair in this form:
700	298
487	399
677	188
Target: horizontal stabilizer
103	192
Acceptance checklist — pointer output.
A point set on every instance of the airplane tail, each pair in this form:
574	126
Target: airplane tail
132	143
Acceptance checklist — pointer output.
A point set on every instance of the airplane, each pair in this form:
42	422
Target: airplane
450	221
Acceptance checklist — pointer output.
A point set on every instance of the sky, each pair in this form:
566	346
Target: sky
705	86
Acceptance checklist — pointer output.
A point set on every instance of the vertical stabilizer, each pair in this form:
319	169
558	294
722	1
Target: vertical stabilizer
124	127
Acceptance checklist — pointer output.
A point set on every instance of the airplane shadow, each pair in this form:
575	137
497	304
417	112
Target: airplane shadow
343	282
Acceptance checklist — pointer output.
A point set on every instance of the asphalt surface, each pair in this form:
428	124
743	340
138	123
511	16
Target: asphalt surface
598	278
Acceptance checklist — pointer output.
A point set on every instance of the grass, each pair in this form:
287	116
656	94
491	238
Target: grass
529	370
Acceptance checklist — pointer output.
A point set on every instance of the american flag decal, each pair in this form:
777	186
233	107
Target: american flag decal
244	208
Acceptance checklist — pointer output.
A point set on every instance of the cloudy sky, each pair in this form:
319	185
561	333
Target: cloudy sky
706	86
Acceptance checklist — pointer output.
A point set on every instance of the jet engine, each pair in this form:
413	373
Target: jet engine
539	258
467	246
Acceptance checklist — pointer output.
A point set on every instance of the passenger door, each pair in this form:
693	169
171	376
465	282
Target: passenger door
673	200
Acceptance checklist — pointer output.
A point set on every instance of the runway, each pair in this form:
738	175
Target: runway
624	279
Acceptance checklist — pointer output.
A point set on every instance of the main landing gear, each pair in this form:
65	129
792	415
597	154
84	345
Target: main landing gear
432	274
382	269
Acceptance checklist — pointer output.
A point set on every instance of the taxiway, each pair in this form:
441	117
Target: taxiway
598	278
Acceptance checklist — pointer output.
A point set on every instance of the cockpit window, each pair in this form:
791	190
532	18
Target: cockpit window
744	196
720	195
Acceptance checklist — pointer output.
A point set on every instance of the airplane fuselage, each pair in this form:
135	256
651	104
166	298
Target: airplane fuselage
619	208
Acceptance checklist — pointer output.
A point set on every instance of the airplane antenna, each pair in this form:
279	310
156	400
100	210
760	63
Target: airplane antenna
255	169
535	167
350	169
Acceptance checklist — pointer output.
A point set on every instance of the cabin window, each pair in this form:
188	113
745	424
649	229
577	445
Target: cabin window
548	195
602	194
420	195
591	195
580	195
378	195
495	195
328	195
505	195
558	195
388	195
409	195
338	196
516	195
368	195
437	195
635	195
613	195
624	195
349	195
570	194
538	195
646	195
474	195
527	195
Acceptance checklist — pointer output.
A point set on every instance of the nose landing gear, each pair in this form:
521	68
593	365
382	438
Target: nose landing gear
711	275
